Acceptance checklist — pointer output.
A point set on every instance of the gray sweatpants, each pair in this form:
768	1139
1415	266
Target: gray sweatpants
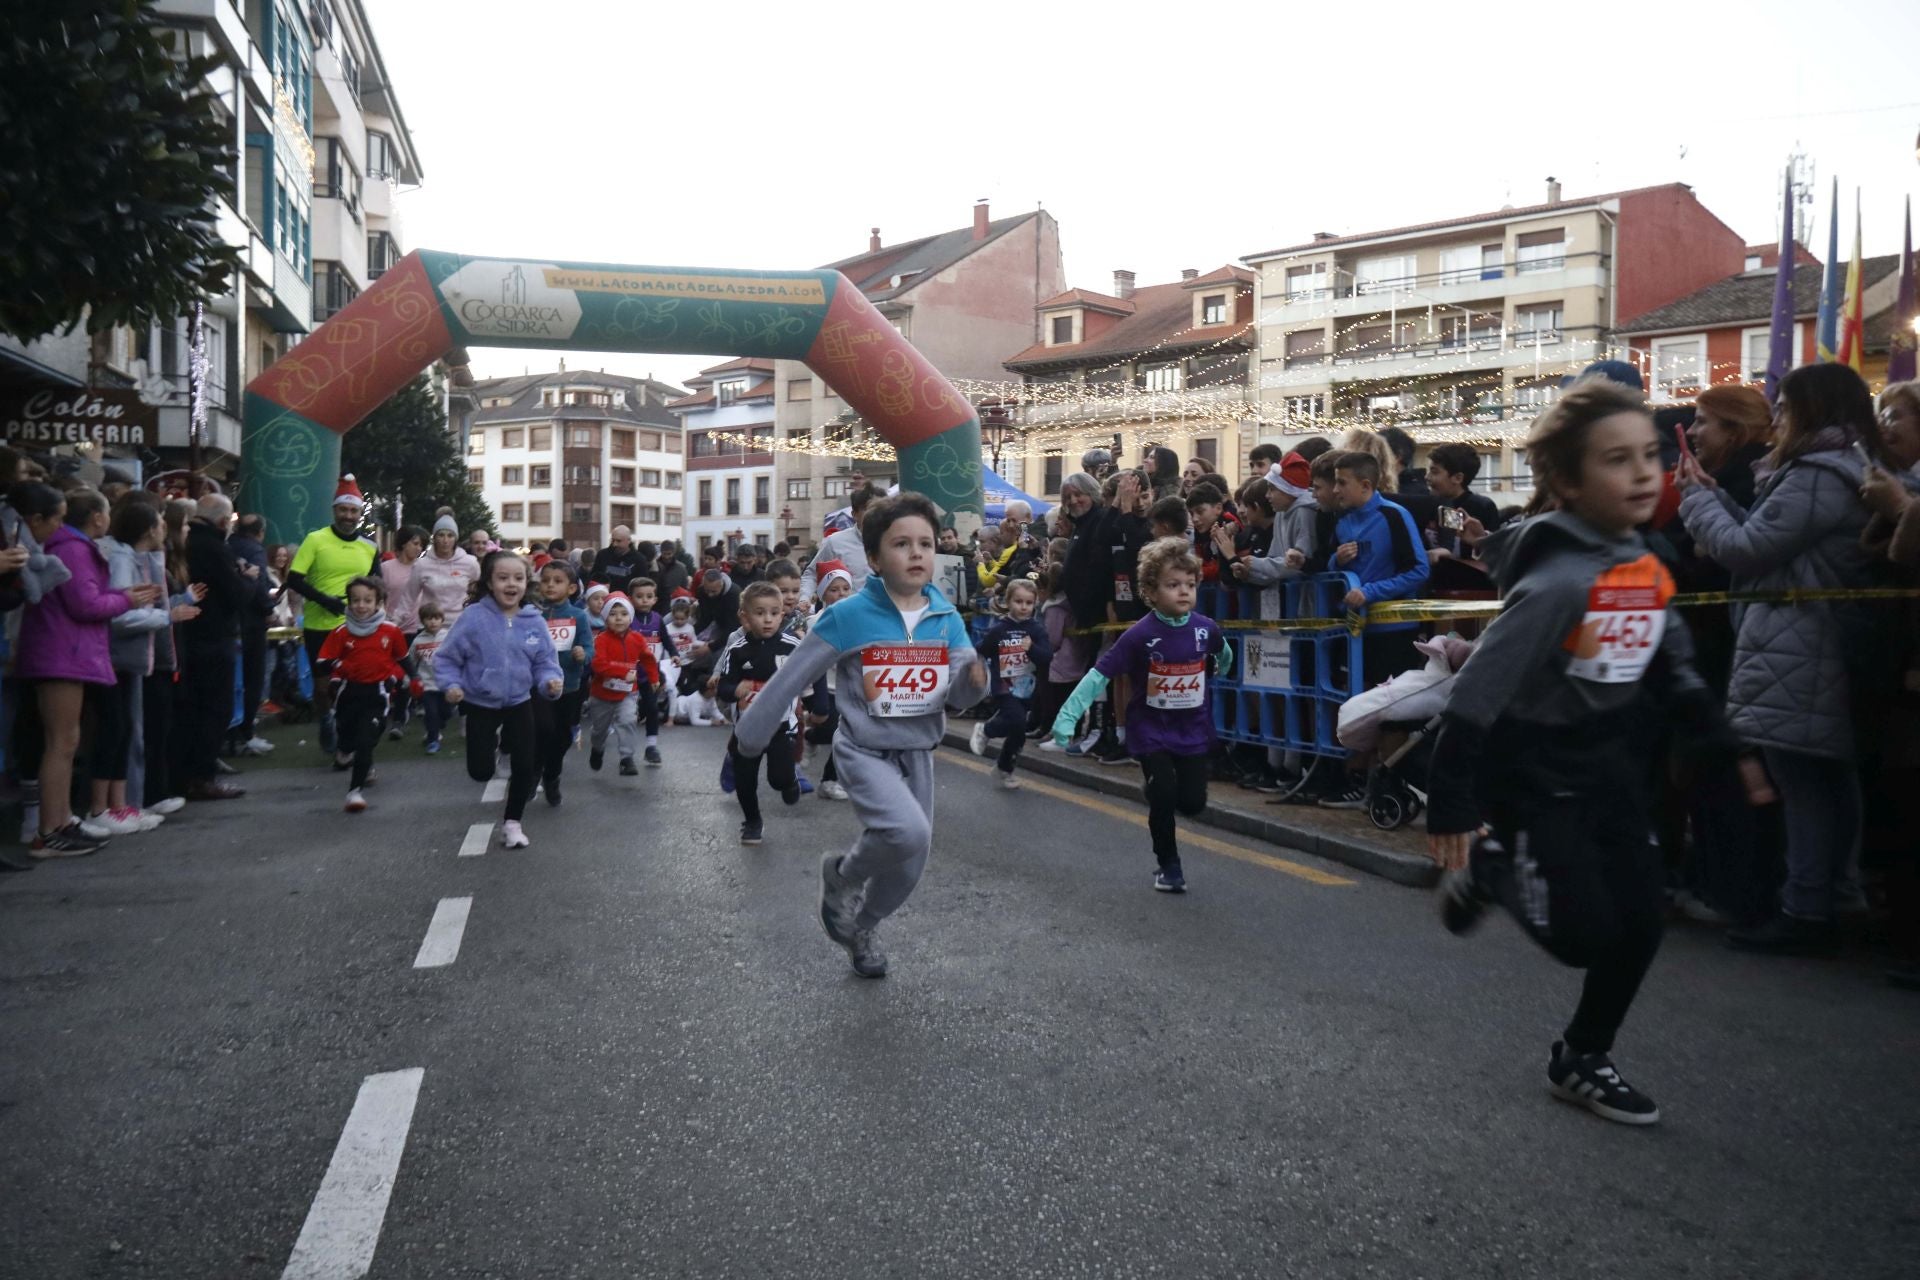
892	795
623	717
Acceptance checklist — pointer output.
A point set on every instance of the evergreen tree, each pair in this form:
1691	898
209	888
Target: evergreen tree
404	452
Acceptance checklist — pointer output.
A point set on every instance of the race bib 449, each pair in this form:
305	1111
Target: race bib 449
903	679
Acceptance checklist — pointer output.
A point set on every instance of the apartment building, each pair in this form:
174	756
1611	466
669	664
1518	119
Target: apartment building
727	416
363	156
1456	325
964	297
1162	364
573	454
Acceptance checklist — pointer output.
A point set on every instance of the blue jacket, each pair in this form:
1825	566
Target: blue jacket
1039	655
836	640
495	659
564	612
1381	577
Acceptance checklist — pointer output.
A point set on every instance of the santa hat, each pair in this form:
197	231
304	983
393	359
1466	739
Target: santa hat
681	594
1292	476
827	570
596	589
619	598
348	495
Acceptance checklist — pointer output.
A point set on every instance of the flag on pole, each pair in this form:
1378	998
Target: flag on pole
1780	353
1906	312
1853	319
1827	327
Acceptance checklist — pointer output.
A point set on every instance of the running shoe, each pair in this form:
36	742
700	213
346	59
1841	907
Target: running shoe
1052	744
978	739
751	833
342	761
831	790
113	824
433	748
1463	903
1110	751
1008	781
868	960
1589	1080
552	787
373	776
1351	794
595	759
726	773
800	781
1786	935
839	900
512	836
256	746
1085	746
1170	879
628	769
653	758
68	842
356	803
791	794
92	829
146	821
172	804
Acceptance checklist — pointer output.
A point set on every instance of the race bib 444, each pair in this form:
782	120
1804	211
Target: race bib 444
1176	686
904	679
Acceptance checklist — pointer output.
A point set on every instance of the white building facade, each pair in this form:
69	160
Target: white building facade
728	418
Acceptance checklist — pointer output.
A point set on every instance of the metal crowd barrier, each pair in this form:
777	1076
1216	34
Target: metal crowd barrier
1286	686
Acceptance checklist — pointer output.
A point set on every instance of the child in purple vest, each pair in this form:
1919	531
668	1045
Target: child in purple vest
1168	655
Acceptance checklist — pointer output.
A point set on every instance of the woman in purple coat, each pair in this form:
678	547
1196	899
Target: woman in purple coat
63	651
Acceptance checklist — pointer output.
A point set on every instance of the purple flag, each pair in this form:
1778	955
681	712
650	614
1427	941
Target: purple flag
1780	353
1906	312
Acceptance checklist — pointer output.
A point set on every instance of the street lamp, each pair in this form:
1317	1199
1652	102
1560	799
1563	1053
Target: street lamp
996	420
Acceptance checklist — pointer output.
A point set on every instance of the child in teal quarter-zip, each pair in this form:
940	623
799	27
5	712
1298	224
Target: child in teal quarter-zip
572	630
902	658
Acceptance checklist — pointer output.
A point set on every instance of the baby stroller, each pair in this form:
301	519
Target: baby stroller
1412	704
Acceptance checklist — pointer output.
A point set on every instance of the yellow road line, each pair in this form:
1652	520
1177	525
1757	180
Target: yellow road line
1310	874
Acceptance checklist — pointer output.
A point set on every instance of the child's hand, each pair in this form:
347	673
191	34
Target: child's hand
1356	599
579	654
554	687
454	696
185	612
1756	783
1347	553
977	674
198	590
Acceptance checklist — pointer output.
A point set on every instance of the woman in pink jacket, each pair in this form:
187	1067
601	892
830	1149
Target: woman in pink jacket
64	652
445	572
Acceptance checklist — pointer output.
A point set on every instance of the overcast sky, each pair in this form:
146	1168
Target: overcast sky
1161	137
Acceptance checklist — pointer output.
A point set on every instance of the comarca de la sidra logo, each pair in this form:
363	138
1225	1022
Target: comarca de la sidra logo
511	300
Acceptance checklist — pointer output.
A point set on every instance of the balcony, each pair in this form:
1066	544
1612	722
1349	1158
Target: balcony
292	309
1541	350
1121	403
222	434
1348	296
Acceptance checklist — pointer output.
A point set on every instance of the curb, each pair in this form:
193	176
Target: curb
1389	864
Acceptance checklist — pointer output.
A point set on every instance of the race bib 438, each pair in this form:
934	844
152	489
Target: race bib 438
904	679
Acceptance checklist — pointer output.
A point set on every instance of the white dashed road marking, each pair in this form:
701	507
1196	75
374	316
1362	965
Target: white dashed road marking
478	836
343	1226
496	791
442	943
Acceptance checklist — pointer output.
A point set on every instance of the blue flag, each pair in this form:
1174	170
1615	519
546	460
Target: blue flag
1780	353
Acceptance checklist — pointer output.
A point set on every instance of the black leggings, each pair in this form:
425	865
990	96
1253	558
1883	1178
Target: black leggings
492	729
360	712
112	707
163	780
554	723
1586	884
1009	724
746	774
1173	782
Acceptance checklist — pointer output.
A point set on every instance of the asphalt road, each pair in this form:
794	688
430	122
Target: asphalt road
645	1059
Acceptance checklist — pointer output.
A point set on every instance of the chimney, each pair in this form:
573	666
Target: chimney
980	218
1324	235
1553	190
1189	273
873	241
1123	284
563	364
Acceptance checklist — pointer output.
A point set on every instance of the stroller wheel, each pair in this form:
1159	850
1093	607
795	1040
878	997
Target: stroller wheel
1388	811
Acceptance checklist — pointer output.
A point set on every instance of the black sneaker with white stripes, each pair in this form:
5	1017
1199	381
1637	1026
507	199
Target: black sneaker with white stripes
1589	1080
1466	893
1348	794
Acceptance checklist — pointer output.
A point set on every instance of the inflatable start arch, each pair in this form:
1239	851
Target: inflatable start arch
429	303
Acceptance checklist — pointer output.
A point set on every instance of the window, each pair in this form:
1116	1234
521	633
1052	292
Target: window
650	441
582	437
1460	263
1208	450
1522	470
1062	327
1541	251
540	438
762	495
733	497
1306	283
670	516
1679	367
1051	484
728	392
831	394
379	155
673	480
1535	395
623	514
622	443
583	513
799	388
578	475
540	513
799	437
1756	345
1304	409
1306	346
549	397
703	504
649	515
382	253
649	477
799	489
513	475
701	444
838	487
1161	377
1537	322
1384	274
1490	469
623	481
899	324
600	398
510	437
333	289
334	177
1493	261
477	477
512	512
542	477
1213	309
762	440
476	443
1752	263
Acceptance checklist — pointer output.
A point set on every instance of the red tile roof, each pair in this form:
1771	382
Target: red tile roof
1162	322
1239	275
1524	212
1088	298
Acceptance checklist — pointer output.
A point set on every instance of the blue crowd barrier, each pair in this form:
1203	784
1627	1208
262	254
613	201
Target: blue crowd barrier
1285	691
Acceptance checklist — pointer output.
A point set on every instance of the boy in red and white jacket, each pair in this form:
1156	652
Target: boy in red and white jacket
623	674
361	660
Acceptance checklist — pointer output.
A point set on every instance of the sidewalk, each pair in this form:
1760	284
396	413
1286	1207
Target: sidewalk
1338	835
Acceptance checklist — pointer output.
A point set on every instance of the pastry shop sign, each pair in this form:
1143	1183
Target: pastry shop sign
78	415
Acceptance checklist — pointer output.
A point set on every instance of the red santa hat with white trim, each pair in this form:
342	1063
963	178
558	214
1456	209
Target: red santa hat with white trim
348	494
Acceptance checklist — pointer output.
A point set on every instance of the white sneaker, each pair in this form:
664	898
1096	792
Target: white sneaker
1049	744
256	746
512	837
356	803
172	804
979	739
1009	781
108	823
831	790
94	829
29	824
